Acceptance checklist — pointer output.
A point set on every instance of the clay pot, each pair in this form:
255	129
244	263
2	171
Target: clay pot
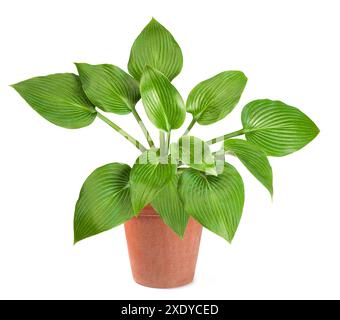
158	257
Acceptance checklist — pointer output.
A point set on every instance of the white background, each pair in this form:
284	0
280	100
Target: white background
285	248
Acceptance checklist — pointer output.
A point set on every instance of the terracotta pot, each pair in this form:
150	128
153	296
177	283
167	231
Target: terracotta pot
158	257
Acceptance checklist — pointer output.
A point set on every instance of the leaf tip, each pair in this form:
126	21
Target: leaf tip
317	130
230	236
78	65
14	85
270	188
136	209
153	21
242	74
76	239
76	235
243	78
180	235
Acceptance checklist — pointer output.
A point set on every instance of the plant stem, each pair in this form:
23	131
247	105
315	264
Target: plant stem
167	142
226	136
193	121
162	145
135	142
143	127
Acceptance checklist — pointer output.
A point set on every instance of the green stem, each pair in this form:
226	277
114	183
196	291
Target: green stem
193	121
162	146
167	142
143	127
226	136
135	142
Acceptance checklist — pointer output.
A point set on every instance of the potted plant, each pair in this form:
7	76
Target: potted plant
173	189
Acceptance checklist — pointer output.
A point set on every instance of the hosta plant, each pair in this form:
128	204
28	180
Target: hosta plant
179	179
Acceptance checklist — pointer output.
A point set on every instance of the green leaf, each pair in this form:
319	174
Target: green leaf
214	98
163	104
109	87
254	159
277	128
170	207
148	176
195	153
216	202
156	47
104	201
59	98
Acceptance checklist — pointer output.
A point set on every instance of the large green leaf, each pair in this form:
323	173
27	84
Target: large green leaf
214	201
156	47
214	98
195	153
59	98
254	158
109	87
170	207
162	102
104	201
148	176
277	128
